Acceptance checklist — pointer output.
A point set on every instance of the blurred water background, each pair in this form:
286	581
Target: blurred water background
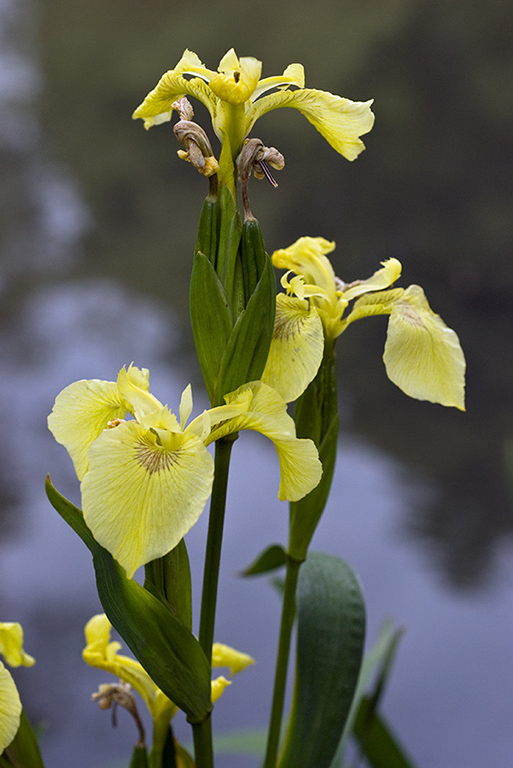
97	226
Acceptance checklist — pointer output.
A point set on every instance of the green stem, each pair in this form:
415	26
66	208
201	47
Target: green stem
223	448
282	661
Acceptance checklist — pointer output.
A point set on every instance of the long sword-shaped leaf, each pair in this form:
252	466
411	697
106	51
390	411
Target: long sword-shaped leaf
330	639
164	646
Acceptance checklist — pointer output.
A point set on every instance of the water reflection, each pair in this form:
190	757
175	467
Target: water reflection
96	235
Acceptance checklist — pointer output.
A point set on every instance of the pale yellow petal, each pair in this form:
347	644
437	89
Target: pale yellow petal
422	355
103	654
299	462
11	645
307	257
237	79
293	75
217	687
133	388
10	708
236	661
296	348
157	106
141	496
382	278
341	121
81	412
300	468
185	409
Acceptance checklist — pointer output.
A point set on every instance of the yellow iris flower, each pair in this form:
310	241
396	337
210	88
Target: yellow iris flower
11	648
102	652
145	481
422	356
236	97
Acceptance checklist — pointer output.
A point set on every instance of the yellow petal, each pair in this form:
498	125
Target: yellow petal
103	654
341	121
81	412
307	257
224	656
10	708
422	355
11	645
217	687
296	347
157	106
236	80
294	74
300	467
142	493
133	388
382	278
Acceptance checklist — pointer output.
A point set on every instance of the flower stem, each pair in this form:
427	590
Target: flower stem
223	448
282	661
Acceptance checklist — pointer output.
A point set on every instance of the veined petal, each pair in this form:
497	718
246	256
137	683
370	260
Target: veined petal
142	494
301	469
422	355
10	708
11	645
80	414
224	656
341	121
296	348
382	278
100	652
157	106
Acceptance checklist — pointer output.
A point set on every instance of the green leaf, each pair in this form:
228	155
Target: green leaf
269	560
376	740
316	417
162	643
330	639
23	751
376	664
248	347
210	318
169	579
139	757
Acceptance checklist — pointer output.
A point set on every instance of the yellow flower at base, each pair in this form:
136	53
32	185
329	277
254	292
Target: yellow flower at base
11	648
422	356
236	97
102	653
145	481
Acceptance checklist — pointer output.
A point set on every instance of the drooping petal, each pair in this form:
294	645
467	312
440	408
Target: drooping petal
300	467
341	121
382	278
144	489
10	708
11	645
217	687
81	412
224	656
102	653
296	347
422	355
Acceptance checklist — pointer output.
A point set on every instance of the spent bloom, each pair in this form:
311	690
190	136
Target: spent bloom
422	356
11	648
236	96
145	480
